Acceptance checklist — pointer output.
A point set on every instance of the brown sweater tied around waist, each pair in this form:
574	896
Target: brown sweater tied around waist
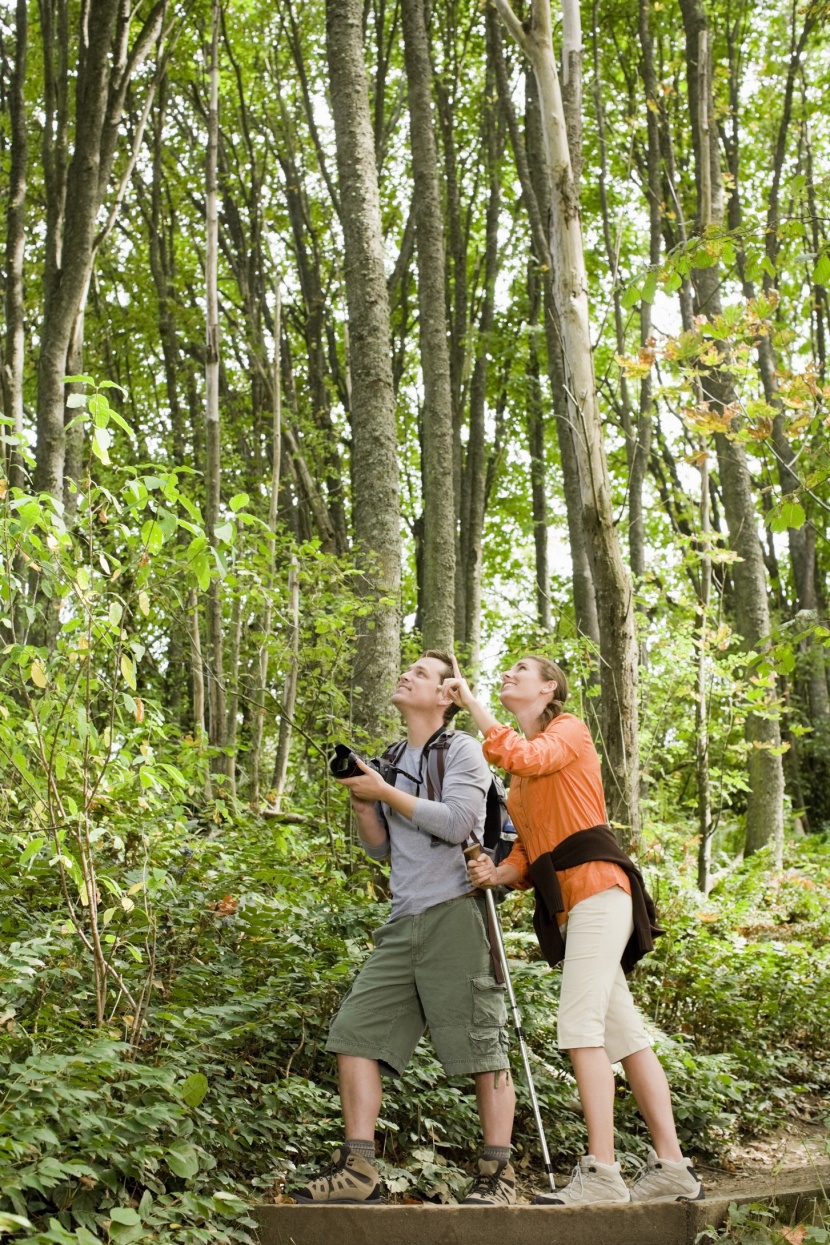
597	843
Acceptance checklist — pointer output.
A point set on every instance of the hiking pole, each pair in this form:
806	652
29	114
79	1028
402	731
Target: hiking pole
472	853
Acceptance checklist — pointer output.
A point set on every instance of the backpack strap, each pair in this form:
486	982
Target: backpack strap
437	743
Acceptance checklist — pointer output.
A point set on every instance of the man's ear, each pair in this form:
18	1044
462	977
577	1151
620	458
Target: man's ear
444	697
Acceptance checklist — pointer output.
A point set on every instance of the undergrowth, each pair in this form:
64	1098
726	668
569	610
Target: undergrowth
228	1093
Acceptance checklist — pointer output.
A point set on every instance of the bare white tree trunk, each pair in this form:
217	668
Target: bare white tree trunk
615	599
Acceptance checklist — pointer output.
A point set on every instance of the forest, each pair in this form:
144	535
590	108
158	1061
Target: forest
337	331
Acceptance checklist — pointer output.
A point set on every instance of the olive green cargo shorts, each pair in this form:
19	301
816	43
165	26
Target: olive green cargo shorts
433	969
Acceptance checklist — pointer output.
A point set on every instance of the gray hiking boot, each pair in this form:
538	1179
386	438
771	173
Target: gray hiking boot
590	1182
659	1180
495	1185
350	1181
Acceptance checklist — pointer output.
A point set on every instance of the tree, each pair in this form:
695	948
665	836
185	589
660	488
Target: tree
375	467
615	601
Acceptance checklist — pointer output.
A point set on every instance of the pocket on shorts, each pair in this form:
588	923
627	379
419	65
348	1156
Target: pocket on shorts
380	933
488	1004
488	1044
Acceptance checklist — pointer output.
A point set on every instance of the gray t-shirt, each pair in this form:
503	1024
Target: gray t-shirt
428	865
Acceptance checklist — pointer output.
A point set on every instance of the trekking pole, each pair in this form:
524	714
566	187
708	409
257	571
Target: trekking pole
472	853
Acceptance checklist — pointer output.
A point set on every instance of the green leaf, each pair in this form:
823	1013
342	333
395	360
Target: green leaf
787	514
821	275
630	297
194	1089
116	613
31	849
125	1214
650	286
152	536
122	423
182	1160
224	532
240	500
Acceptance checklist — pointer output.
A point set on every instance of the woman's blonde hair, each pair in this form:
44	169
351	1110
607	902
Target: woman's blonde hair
551	673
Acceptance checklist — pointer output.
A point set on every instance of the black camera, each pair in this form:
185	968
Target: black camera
343	764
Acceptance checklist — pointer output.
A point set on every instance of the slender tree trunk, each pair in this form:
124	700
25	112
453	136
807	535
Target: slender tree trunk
531	165
438	610
765	801
615	600
213	435
472	516
258	723
289	691
704	807
538	458
15	346
375	469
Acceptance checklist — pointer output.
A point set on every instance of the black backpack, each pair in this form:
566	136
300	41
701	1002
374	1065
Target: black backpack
499	831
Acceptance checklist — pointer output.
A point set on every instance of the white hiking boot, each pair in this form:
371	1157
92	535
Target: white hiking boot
590	1182
659	1180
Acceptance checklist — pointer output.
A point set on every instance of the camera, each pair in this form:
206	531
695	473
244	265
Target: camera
343	764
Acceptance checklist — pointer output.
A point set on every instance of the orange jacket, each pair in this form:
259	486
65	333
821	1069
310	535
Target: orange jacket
556	790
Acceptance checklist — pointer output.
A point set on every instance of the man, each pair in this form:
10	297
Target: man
431	964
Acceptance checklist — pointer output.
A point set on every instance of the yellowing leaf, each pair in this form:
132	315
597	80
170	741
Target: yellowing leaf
128	671
38	674
144	603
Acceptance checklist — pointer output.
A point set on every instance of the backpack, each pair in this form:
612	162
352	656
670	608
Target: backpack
499	831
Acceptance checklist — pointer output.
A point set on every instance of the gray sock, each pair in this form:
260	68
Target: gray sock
366	1149
500	1153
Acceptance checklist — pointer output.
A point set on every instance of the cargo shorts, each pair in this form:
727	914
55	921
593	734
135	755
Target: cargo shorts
432	970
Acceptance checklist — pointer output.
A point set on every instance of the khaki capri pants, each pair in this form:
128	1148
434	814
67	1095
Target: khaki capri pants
596	1007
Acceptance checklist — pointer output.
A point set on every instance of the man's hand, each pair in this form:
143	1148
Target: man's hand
482	872
458	688
368	786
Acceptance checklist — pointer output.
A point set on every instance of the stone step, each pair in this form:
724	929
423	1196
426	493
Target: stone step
795	1196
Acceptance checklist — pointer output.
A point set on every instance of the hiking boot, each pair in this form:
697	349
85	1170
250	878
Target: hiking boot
495	1185
590	1182
350	1181
659	1180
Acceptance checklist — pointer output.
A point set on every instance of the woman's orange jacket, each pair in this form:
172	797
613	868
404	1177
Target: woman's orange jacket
556	790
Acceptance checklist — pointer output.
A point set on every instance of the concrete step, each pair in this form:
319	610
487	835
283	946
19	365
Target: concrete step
795	1196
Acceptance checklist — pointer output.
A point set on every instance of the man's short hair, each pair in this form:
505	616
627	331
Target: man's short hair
438	654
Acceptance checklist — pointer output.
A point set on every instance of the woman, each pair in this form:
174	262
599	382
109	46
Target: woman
587	893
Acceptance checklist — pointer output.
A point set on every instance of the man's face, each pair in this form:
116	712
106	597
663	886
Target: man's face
419	687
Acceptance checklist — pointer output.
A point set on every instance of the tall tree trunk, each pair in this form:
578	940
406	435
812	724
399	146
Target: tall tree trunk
538	458
438	607
258	721
106	63
472	516
531	165
375	469
12	378
213	434
765	801
704	807
615	598
289	691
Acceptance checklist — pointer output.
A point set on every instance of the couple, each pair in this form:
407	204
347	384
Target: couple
432	963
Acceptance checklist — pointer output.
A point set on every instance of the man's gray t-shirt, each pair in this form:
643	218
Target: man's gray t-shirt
428	865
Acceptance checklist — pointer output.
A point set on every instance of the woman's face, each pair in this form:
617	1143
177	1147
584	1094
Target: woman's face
522	687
